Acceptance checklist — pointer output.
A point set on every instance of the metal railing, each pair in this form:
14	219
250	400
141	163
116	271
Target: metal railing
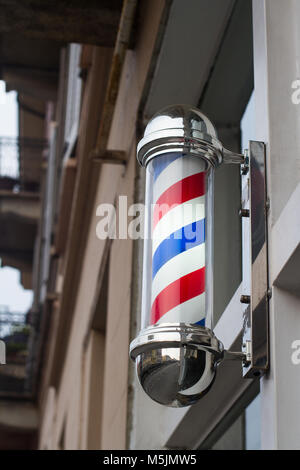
9	318
14	335
20	159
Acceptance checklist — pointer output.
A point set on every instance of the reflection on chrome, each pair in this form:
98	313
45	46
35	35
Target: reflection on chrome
178	375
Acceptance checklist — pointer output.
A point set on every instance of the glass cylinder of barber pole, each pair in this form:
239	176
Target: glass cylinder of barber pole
176	351
178	248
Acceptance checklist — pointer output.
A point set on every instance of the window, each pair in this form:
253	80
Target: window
244	433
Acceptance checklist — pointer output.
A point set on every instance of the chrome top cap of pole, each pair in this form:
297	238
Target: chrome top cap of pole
181	128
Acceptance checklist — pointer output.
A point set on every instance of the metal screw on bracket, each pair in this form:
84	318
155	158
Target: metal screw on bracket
245	299
244	213
245	165
269	293
248	353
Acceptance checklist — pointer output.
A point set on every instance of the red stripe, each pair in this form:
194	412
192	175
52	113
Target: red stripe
177	292
180	192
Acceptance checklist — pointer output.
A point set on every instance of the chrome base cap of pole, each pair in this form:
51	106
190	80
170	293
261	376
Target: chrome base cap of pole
176	363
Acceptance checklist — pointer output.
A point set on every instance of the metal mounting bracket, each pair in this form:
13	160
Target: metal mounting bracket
256	293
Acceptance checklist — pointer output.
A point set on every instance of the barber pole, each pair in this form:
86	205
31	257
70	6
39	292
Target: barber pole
178	240
176	351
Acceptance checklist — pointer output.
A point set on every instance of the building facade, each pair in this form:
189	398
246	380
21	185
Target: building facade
239	62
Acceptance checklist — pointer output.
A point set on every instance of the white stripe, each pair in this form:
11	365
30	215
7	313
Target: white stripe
176	171
177	267
191	311
178	217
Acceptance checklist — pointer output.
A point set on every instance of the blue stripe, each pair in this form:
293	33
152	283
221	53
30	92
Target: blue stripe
182	240
201	322
160	163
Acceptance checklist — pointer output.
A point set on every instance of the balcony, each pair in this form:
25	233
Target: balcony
14	332
21	167
21	162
